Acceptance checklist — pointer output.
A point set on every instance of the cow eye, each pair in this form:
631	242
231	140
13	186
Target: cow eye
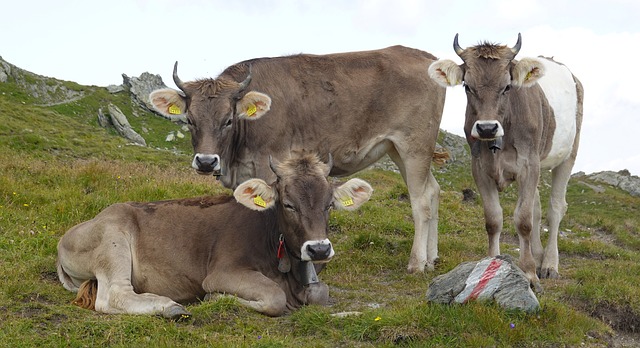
506	89
289	207
228	123
467	88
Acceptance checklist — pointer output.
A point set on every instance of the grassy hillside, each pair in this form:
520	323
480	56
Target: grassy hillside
59	168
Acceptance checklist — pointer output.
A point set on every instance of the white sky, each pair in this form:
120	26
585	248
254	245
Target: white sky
94	42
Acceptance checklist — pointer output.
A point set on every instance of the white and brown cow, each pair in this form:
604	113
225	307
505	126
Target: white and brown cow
147	258
357	106
522	117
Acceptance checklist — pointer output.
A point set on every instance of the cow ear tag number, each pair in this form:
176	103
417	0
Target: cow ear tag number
174	109
257	200
251	110
347	201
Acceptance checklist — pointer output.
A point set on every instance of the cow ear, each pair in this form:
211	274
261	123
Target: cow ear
527	72
253	105
352	194
255	194
446	73
169	103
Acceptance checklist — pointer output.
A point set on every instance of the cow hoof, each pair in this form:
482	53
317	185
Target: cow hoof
537	287
176	313
549	273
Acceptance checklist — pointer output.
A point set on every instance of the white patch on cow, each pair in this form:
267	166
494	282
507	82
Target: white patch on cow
499	132
201	157
560	89
304	253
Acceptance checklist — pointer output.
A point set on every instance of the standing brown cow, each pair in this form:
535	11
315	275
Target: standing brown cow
356	106
522	116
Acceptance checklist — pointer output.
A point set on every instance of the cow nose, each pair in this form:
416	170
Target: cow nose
487	130
319	251
206	164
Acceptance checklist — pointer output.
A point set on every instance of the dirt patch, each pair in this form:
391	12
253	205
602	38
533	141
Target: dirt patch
623	319
620	318
49	276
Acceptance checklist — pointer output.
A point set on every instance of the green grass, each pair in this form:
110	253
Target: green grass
58	168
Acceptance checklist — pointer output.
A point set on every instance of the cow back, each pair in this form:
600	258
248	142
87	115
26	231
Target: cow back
340	103
178	242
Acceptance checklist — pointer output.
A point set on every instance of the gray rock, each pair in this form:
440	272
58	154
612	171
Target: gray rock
113	89
5	71
490	279
118	120
104	120
141	87
622	180
457	147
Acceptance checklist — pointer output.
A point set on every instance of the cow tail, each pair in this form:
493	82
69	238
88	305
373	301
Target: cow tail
87	294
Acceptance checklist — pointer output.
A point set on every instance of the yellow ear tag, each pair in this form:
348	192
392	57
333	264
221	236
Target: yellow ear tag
174	109
347	201
257	200
251	110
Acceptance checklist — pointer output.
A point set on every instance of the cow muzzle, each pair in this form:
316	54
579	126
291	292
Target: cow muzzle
318	251
487	130
206	164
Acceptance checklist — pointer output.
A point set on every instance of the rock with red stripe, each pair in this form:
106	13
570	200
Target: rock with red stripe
490	279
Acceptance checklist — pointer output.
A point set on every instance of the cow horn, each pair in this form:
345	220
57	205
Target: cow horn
456	46
246	81
515	49
176	79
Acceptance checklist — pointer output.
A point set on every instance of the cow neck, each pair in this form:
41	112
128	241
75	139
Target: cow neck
304	272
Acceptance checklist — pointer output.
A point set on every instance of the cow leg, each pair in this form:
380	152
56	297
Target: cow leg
557	208
424	194
536	243
523	218
492	209
110	263
252	289
115	290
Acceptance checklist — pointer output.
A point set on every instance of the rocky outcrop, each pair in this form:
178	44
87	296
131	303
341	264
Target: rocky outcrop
140	88
5	70
622	180
47	91
456	146
119	121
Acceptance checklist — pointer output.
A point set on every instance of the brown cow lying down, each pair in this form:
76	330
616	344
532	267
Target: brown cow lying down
146	258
